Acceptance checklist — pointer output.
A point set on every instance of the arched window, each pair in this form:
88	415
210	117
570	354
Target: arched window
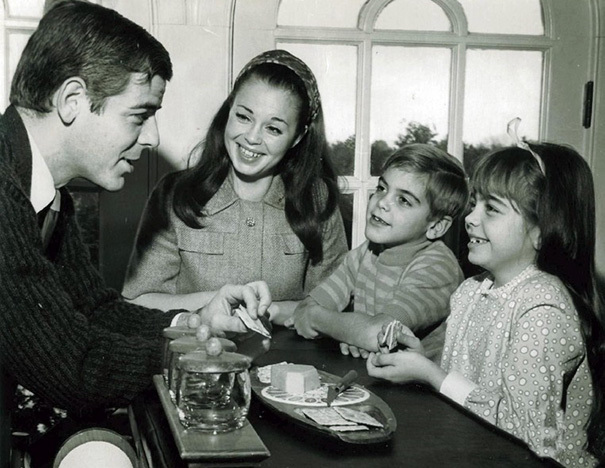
446	72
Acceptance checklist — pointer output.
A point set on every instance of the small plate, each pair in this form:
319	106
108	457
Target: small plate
289	406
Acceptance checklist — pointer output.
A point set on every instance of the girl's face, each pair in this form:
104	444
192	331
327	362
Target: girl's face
261	128
500	239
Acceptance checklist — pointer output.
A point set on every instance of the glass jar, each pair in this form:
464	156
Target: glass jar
176	348
214	391
172	333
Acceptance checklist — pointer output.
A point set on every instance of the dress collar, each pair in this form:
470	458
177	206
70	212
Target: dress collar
226	196
487	289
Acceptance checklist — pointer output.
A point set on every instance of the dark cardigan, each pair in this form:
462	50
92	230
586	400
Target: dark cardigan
63	334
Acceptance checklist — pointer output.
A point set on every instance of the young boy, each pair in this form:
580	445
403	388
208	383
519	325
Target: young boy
403	271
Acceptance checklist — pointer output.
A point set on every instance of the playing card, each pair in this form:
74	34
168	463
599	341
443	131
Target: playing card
356	427
326	417
254	325
389	337
357	416
385	337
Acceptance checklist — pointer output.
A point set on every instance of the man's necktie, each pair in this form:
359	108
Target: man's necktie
50	219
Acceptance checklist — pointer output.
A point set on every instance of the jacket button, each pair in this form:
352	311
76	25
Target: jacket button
250	222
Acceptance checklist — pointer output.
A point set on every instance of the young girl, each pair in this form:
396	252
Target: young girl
524	347
261	203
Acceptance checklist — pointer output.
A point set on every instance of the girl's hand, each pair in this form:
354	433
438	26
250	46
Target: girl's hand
354	351
404	367
405	337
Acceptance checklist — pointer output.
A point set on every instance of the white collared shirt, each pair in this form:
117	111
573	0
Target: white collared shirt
42	184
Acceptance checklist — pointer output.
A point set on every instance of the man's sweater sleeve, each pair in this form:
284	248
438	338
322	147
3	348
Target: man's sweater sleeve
63	335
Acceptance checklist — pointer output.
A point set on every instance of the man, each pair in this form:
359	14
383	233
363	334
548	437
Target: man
83	104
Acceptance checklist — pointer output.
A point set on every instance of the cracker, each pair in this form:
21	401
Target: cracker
326	417
357	427
359	417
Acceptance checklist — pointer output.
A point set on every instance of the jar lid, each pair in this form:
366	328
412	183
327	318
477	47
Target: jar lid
176	332
200	361
185	344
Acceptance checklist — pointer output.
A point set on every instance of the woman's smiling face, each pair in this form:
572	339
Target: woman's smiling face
261	128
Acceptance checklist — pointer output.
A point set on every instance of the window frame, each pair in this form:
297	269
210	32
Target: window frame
458	40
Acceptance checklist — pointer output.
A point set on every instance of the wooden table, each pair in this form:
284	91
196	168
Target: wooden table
431	431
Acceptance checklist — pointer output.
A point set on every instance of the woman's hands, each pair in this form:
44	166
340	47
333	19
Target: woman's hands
218	315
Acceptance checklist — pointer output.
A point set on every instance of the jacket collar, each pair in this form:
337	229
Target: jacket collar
20	155
226	196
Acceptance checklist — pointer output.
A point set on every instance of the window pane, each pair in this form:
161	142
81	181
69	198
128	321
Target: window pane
500	85
335	68
319	13
416	15
410	99
25	8
346	209
504	17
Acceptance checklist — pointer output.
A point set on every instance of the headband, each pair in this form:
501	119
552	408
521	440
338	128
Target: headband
511	129
286	59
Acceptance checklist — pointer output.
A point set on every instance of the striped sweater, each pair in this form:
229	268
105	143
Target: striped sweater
410	283
63	334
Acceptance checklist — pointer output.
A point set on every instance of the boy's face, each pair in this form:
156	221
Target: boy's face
398	212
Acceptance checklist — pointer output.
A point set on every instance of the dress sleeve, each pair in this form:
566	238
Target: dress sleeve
334	293
334	250
154	263
421	299
545	351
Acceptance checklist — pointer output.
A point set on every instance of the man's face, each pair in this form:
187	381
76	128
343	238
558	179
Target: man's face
103	146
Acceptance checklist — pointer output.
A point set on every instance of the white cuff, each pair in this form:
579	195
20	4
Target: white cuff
457	387
175	319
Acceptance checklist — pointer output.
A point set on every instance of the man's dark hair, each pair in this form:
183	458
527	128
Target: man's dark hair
97	44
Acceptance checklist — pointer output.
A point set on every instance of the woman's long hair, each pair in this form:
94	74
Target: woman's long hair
310	182
561	202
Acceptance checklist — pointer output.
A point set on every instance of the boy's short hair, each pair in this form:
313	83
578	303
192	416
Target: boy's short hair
447	189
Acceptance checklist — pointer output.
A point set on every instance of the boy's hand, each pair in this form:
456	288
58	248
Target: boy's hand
302	319
303	323
355	351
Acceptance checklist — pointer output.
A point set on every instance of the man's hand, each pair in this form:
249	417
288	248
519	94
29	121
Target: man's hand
218	312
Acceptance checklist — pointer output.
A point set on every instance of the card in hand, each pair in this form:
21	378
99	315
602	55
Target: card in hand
250	323
389	337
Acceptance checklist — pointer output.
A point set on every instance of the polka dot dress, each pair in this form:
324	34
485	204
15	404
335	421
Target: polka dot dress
521	344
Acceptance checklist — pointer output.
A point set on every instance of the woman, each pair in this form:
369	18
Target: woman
261	203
